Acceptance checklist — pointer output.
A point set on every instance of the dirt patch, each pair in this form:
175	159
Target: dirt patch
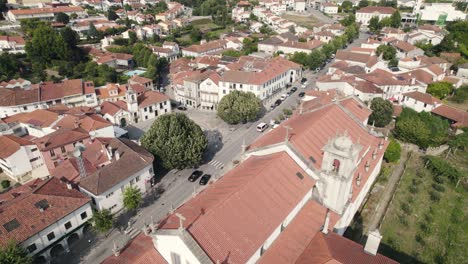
305	21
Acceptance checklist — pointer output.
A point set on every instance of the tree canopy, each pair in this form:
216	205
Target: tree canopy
460	95
13	253
374	25
422	129
111	15
47	45
62	18
395	19
239	107
9	67
388	52
347	5
102	220
176	141
382	111
132	198
440	89
363	3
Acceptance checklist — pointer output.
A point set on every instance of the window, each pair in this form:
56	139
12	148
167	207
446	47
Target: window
33	159
112	207
137	179
52	153
132	181
68	225
25	108
62	149
84	215
31	248
34	149
109	194
51	236
336	165
145	109
175	258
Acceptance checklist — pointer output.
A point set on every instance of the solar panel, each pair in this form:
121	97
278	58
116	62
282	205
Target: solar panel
12	225
42	204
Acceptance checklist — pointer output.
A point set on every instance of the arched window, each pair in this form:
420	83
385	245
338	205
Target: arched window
336	165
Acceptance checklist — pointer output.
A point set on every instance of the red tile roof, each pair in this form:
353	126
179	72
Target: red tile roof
61	137
333	248
352	56
459	117
112	108
377	9
423	97
40	118
151	97
357	108
62	201
10	144
139	251
87	122
257	196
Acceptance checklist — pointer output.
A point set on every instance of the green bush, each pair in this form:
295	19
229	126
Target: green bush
435	196
280	117
403	220
419	238
438	187
287	112
460	95
393	152
5	184
440	89
406	208
413	189
442	168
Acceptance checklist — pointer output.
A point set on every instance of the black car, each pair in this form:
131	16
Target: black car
301	94
205	179
303	80
182	108
294	89
278	102
195	175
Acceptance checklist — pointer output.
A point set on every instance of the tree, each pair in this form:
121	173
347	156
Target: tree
5	184
12	253
9	67
250	45
393	152
46	46
102	220
395	19
93	33
176	141
459	96
363	3
382	111
132	198
299	58
239	107
111	15
440	89
348	20
374	25
347	5
388	52
62	18
70	37
393	62
195	35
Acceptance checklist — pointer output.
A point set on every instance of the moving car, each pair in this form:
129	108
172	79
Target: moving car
262	126
195	175
205	179
301	94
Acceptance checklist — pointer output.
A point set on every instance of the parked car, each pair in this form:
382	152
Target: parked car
262	127
294	89
278	102
205	179
303	80
283	97
304	85
195	175
301	94
182	108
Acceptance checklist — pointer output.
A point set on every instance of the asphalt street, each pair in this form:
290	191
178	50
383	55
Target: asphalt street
177	188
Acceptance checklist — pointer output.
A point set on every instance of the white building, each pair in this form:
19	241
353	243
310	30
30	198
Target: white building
441	11
46	13
20	160
365	14
71	93
12	44
44	217
420	101
329	8
127	164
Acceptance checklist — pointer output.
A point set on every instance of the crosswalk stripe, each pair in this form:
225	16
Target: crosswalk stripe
216	164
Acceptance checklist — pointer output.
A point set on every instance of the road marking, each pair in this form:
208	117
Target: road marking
216	164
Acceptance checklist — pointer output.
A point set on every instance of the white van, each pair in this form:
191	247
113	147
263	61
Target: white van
261	127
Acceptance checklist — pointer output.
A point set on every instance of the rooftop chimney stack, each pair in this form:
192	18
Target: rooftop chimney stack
117	155
327	222
373	242
79	161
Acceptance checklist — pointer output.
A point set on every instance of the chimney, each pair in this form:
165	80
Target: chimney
41	209
69	186
367	166
374	154
109	150
79	161
203	41
373	242
117	155
413	81
76	123
326	223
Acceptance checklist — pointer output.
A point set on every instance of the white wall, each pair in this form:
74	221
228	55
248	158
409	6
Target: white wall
167	244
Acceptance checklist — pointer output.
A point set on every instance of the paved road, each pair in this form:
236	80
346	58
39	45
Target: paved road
175	185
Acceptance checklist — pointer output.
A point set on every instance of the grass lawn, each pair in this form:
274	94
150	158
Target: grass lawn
305	21
418	227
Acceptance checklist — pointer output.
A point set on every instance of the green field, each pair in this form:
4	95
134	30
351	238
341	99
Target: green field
305	21
427	221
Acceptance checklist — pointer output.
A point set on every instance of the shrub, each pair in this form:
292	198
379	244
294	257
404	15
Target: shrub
406	208
5	184
438	187
425	227
413	189
280	117
440	167
435	196
287	112
440	89
393	152
403	220
420	240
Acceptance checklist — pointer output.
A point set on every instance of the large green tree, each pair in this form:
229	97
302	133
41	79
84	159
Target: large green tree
102	220
440	89
9	67
347	5
47	45
363	3
374	25
393	152
460	95
388	52
12	253
132	198
382	111
176	141
62	18
395	19
239	107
